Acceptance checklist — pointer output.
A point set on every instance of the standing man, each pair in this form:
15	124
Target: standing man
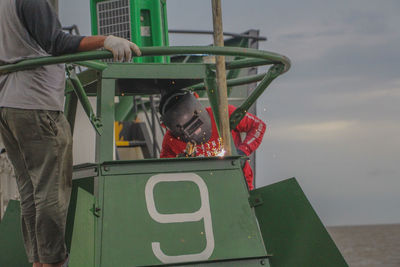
35	132
192	131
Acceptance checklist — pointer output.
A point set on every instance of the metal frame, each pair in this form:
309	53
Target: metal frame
286	220
103	119
110	73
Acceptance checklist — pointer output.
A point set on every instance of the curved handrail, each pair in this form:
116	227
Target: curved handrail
269	57
253	57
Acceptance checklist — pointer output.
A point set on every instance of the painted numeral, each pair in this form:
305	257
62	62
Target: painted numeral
202	213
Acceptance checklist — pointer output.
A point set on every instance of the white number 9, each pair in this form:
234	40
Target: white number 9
202	213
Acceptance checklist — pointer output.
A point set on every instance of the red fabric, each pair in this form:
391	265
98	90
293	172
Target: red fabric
250	124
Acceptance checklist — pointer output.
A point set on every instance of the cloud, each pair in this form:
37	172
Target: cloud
352	96
312	132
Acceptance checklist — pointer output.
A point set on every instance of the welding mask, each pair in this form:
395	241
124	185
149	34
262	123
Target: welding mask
185	117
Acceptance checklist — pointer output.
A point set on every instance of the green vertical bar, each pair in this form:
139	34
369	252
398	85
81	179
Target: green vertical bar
135	26
104	149
98	224
157	23
71	102
105	110
165	27
211	88
93	16
151	17
156	28
146	22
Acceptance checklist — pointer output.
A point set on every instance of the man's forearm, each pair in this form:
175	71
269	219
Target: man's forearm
121	48
90	43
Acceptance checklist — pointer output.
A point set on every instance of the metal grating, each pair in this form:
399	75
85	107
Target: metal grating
113	17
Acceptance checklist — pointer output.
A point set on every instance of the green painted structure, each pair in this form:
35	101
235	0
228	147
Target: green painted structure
12	252
144	22
180	211
172	212
169	216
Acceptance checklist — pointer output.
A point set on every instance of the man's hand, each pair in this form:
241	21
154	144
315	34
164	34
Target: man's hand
121	48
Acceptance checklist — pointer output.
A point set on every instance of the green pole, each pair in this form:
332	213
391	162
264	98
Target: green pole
80	92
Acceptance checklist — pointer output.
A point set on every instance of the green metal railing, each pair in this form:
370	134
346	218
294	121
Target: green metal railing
251	58
267	57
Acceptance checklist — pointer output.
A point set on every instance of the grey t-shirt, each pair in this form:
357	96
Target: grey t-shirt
28	29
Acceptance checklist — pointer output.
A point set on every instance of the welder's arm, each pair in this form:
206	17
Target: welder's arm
254	129
166	150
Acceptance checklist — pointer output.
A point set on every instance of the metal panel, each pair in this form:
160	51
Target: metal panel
199	216
169	165
82	250
87	184
12	252
291	229
8	183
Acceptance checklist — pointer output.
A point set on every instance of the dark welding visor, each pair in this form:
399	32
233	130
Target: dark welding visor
186	118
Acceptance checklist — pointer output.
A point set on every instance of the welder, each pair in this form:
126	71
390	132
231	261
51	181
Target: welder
192	131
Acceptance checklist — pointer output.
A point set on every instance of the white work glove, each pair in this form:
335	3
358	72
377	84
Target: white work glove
121	48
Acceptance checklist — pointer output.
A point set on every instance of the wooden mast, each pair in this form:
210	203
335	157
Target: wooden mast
221	79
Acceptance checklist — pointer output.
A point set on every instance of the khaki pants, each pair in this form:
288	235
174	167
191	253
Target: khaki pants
39	145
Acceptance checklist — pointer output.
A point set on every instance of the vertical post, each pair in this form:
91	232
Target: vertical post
71	104
104	152
221	78
106	111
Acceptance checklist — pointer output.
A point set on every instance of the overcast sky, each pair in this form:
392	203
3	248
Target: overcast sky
334	118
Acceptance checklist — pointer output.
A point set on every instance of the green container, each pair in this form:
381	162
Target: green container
144	22
165	211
